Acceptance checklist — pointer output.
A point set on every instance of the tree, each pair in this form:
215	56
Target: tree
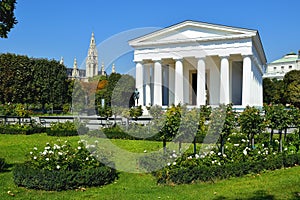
273	91
291	76
292	88
122	94
7	18
16	79
270	120
229	124
189	125
171	124
50	83
221	125
251	122
116	90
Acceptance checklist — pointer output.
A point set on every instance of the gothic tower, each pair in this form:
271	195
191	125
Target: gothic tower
75	71
92	59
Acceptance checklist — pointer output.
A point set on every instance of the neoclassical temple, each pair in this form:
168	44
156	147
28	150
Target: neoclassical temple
198	63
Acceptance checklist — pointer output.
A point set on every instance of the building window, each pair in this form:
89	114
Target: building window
274	68
290	67
282	67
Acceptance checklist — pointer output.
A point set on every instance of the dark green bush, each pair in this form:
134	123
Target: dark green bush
66	129
24	129
205	173
116	132
2	164
28	177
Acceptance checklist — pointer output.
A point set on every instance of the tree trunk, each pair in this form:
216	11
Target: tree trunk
271	137
249	140
285	132
222	145
165	145
43	108
195	146
252	141
280	140
179	146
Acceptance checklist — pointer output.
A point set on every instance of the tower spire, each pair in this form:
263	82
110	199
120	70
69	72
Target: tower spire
92	58
75	72
102	69
113	70
61	60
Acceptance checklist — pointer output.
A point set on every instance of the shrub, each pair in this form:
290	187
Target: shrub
180	175
67	129
24	129
134	132
41	179
60	166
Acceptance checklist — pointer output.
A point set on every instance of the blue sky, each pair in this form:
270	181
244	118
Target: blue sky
54	28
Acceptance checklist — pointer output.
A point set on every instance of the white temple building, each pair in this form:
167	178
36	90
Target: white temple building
198	63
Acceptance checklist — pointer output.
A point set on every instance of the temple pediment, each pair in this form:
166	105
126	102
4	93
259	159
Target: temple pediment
192	31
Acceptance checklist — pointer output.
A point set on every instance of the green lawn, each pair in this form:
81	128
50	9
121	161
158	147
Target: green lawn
279	184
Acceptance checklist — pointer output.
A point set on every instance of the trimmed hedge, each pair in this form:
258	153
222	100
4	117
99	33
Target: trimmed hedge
116	132
210	173
2	164
38	179
23	129
66	129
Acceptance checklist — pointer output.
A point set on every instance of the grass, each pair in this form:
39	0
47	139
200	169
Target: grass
278	184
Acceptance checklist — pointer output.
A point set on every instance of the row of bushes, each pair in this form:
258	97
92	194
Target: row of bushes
116	132
67	129
23	129
26	110
56	129
210	173
39	179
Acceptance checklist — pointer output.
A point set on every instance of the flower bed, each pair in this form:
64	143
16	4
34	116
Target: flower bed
237	160
188	174
63	167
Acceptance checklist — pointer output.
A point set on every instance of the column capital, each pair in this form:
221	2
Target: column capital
138	62
178	59
157	61
247	55
201	58
224	56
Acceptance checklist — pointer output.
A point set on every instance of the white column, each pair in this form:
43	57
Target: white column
171	84
157	100
224	80
247	62
147	84
201	93
178	82
139	82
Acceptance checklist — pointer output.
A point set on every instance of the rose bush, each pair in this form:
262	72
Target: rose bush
61	166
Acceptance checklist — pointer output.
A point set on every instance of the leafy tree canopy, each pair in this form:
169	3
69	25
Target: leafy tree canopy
7	17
